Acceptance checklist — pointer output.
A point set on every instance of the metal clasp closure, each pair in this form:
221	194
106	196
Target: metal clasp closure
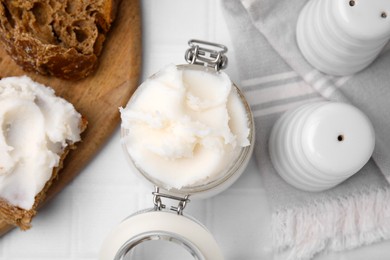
201	54
158	205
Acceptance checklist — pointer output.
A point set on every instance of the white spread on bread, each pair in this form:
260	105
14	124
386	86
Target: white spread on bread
36	126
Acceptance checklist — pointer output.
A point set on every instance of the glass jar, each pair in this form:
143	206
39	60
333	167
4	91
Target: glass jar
171	225
224	178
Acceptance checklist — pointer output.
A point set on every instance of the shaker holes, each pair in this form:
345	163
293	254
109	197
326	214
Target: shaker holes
353	3
340	138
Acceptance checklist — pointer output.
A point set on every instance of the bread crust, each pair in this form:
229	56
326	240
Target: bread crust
22	218
50	38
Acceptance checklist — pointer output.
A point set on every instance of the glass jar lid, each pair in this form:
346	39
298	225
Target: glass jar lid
151	225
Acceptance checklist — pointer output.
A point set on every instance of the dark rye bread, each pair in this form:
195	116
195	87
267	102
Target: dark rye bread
22	218
62	38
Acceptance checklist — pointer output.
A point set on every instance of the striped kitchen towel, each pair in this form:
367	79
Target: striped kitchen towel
275	78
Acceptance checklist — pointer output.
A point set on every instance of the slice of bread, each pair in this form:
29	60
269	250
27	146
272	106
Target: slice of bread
59	38
37	131
22	218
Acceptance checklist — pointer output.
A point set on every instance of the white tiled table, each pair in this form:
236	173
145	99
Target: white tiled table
74	224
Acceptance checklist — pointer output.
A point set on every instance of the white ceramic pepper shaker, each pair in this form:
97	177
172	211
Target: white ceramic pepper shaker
319	145
342	37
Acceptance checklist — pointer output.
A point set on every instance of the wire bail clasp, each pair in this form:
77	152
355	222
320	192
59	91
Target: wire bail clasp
158	205
200	53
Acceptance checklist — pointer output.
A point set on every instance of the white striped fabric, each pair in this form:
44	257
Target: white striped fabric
276	78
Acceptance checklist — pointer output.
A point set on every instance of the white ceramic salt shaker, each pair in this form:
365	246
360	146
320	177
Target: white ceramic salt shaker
342	37
319	145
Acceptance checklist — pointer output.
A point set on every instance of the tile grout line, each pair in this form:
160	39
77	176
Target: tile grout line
211	29
209	217
75	228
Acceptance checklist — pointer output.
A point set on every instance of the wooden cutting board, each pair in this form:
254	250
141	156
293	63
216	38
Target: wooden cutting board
98	96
